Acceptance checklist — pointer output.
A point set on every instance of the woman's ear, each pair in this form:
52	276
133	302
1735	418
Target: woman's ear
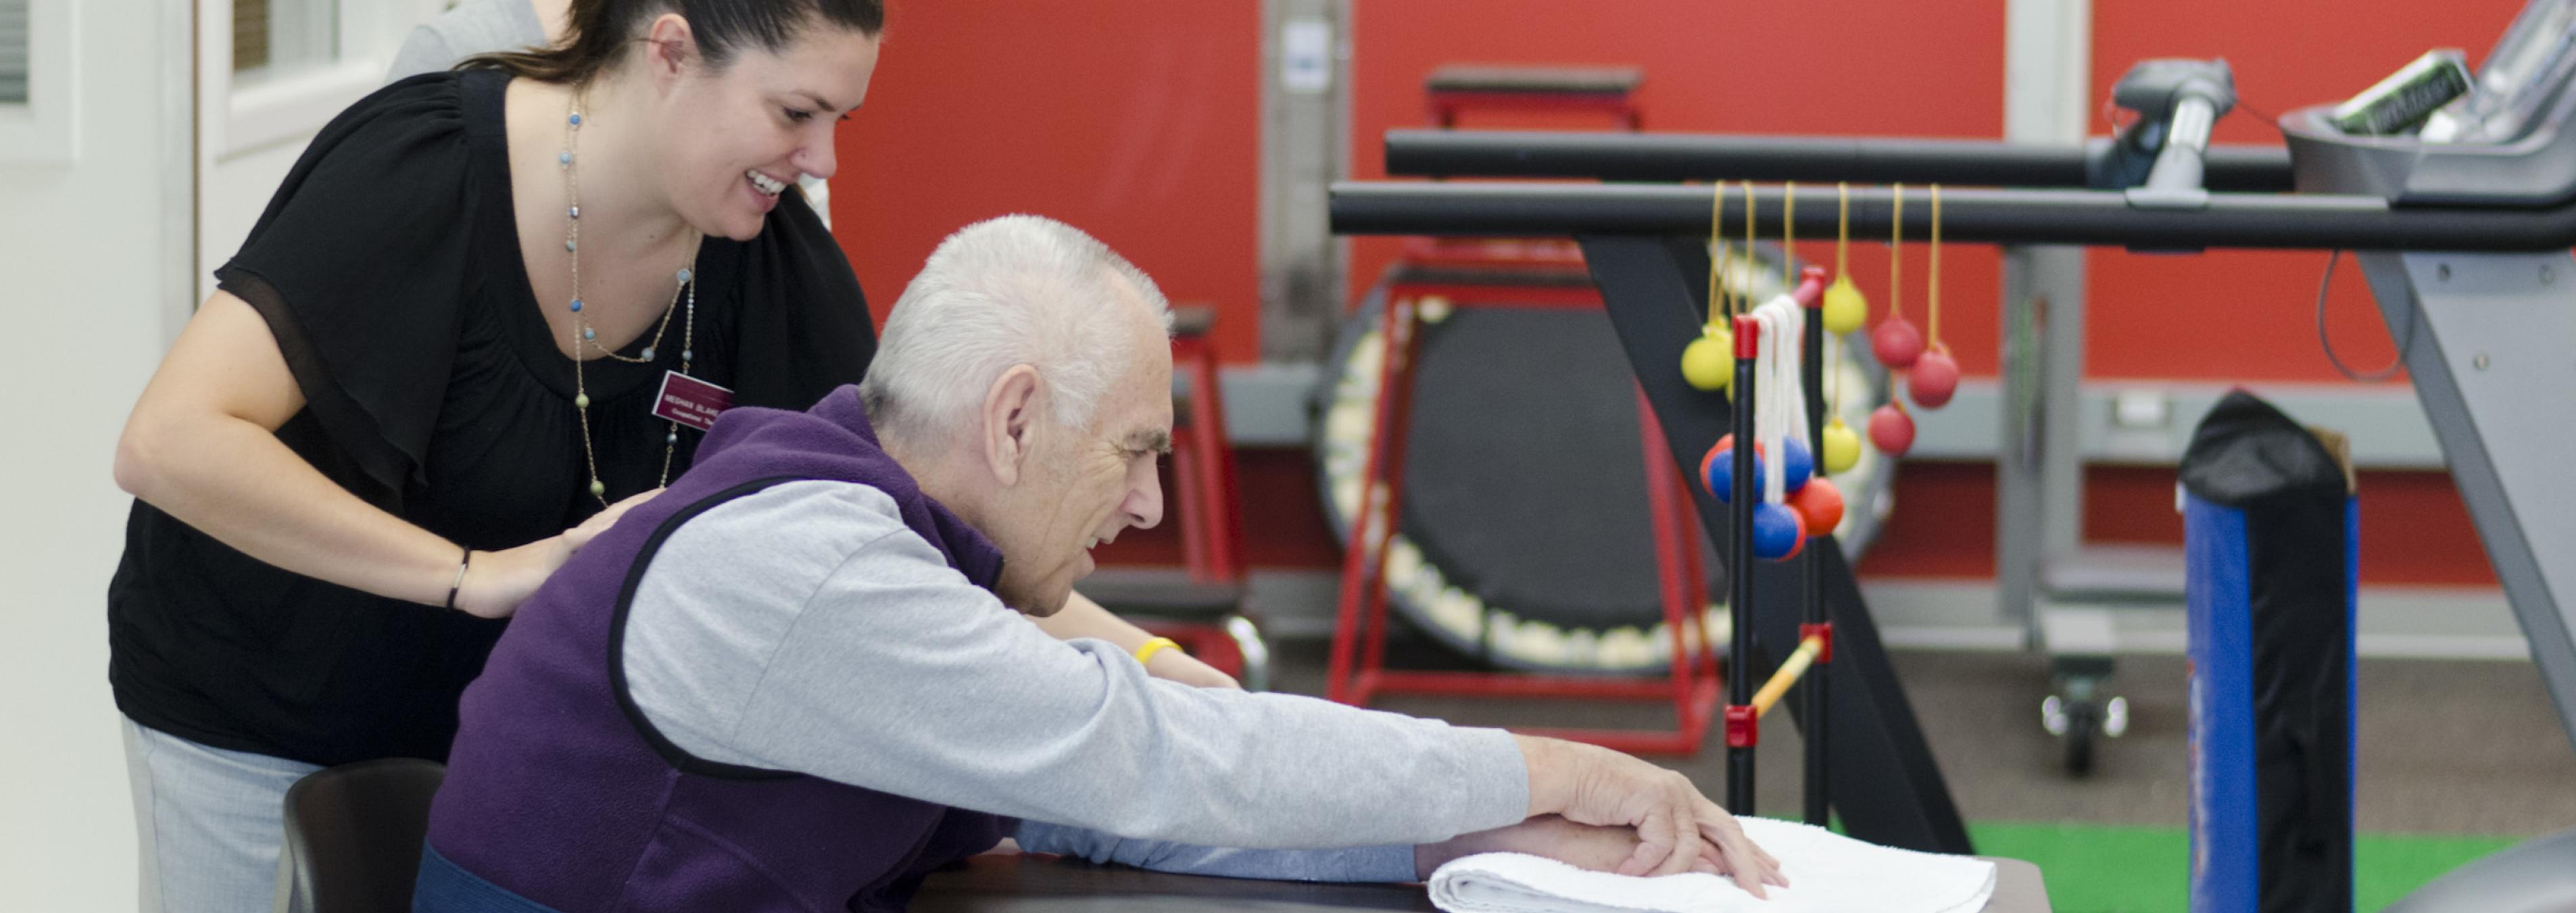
1010	422
670	47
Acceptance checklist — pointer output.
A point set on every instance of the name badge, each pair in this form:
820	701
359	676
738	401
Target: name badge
690	401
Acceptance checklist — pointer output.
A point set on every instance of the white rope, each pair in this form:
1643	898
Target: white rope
1779	404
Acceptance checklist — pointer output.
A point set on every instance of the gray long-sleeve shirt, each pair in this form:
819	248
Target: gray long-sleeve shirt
473	27
806	628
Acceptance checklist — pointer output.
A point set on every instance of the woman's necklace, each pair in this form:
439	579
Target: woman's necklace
583	335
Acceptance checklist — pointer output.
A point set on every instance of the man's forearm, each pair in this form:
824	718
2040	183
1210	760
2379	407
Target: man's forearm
1394	862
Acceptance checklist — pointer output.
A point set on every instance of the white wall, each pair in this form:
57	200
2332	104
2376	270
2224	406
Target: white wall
106	255
248	137
234	190
86	251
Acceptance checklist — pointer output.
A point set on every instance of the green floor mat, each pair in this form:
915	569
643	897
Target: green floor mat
2104	869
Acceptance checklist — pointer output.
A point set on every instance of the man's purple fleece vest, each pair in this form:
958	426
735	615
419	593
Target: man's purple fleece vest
559	790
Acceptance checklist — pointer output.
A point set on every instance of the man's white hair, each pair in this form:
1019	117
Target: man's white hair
1008	291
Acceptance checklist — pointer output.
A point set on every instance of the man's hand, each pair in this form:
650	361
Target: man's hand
1188	670
1674	824
1584	846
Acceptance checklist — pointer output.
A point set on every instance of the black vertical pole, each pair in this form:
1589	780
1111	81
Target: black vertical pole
1811	687
1739	572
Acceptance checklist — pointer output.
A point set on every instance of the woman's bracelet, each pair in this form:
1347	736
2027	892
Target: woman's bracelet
459	582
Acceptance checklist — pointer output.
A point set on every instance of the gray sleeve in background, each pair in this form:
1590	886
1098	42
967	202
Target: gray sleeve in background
818	193
472	27
805	628
424	51
1390	862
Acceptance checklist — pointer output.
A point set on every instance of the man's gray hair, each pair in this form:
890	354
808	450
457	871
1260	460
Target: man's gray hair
1013	290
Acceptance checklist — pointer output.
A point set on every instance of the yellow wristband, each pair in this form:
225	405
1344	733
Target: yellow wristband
1145	651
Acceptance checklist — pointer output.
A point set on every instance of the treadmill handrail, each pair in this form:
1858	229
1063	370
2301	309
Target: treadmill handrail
1860	160
2230	220
2180	166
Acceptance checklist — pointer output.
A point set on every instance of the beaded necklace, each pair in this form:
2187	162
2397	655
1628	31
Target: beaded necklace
585	335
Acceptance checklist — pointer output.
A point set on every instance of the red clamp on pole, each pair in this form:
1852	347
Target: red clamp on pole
1748	336
1743	726
1811	288
1823	632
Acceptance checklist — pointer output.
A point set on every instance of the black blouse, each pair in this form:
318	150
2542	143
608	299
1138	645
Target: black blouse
388	268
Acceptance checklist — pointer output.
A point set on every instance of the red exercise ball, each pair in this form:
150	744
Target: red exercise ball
1891	430
1821	503
1727	442
1935	378
1897	342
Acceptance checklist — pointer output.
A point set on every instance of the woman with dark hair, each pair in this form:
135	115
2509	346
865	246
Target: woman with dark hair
487	311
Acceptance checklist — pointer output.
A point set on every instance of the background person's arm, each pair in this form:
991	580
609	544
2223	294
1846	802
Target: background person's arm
1600	849
1082	617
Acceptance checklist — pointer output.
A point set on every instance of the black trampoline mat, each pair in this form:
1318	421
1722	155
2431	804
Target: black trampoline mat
1524	476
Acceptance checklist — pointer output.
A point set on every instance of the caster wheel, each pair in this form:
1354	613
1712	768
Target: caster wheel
2080	722
2083	722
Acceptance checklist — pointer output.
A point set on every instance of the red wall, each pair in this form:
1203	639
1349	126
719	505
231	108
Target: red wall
2414	530
2228	315
1139	121
2148	312
1928	69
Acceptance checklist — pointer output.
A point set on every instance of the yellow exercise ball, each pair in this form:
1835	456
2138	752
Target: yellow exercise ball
1708	363
1842	447
1845	309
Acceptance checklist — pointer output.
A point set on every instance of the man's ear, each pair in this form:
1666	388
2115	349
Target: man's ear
669	45
1010	421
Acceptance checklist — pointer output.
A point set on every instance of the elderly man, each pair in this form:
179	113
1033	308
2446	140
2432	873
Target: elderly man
797	680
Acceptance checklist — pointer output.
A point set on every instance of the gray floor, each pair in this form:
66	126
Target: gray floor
2446	747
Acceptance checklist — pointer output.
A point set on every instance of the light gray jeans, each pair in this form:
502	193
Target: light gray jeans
208	822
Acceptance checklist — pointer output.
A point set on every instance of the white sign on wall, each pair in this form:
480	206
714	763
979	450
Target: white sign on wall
1306	56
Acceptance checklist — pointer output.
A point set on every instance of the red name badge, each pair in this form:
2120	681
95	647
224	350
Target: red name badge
690	401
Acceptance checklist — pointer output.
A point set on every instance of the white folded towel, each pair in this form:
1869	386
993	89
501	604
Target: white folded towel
1831	873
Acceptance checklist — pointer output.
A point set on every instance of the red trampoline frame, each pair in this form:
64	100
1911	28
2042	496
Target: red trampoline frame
1691	683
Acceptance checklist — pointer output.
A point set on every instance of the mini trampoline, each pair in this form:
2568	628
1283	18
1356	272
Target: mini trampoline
1526	539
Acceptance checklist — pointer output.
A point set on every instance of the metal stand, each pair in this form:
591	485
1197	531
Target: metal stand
1745	706
1881	772
2486	339
1812	689
1741	717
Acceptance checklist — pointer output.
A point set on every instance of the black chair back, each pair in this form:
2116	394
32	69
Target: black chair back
353	836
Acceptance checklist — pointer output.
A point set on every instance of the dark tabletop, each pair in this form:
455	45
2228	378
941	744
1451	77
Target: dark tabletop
991	884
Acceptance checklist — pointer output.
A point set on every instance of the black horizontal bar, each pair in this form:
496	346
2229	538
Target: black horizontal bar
1716	156
2283	221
